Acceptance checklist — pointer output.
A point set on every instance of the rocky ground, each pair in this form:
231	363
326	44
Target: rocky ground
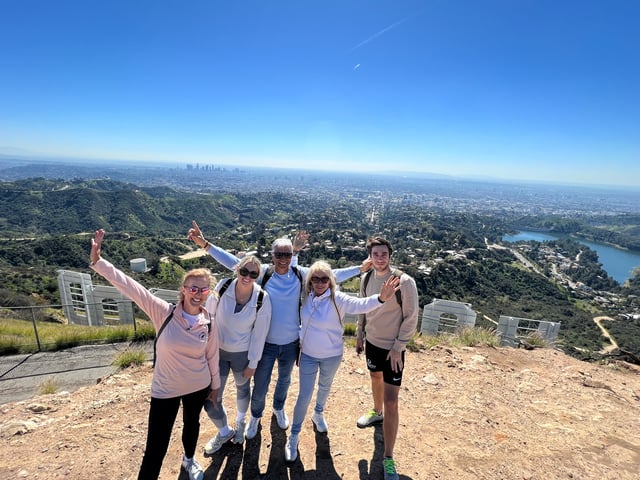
467	413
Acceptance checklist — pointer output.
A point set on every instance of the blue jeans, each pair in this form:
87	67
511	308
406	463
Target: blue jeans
235	362
286	356
309	367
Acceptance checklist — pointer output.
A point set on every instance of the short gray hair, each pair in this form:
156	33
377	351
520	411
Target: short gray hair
283	242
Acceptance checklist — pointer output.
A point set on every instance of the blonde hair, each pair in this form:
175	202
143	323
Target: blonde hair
249	259
197	273
324	268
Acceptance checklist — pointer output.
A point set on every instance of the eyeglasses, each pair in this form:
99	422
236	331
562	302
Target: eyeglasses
193	290
283	254
245	271
319	279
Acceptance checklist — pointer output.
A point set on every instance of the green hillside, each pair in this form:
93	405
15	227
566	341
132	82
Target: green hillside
45	225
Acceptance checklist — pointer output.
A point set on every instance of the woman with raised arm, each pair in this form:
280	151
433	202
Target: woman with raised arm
284	282
243	317
186	371
321	345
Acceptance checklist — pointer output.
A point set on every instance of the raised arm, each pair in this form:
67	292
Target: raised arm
220	255
343	274
156	308
96	246
300	241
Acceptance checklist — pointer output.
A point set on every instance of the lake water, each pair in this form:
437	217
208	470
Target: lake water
617	263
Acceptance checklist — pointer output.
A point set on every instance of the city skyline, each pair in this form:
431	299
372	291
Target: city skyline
534	91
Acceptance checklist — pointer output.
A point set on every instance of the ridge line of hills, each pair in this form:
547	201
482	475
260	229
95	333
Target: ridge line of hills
444	247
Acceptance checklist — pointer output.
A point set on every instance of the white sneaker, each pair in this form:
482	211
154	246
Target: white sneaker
319	422
291	448
193	469
216	442
281	417
252	428
370	418
239	436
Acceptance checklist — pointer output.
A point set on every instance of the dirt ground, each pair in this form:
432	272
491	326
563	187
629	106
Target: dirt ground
467	413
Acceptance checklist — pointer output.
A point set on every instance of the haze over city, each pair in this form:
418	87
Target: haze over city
538	91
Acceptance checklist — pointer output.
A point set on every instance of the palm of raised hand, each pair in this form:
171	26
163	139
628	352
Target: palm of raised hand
300	240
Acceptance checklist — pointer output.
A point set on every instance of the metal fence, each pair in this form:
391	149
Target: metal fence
35	314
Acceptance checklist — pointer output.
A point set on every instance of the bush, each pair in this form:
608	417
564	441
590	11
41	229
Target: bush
133	356
48	387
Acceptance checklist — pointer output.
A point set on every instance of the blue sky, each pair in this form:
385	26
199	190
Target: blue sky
545	90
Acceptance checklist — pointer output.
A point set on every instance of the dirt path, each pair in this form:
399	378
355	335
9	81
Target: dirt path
607	335
465	414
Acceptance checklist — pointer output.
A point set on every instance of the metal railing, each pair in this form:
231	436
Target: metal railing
34	314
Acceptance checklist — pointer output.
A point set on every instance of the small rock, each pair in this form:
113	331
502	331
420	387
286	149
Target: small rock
37	408
431	380
16	427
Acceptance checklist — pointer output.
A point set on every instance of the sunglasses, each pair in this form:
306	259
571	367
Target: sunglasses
245	271
193	290
319	279
282	254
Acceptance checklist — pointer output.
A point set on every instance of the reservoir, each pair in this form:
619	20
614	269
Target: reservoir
616	262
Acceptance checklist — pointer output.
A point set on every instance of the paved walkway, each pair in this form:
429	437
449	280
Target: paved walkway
22	375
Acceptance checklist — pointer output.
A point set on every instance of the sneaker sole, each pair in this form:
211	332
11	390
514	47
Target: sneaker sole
212	453
317	429
370	424
206	454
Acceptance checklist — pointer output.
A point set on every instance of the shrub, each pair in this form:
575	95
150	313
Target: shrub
133	356
350	329
48	387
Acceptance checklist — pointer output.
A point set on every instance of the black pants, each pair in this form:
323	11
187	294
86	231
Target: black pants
162	416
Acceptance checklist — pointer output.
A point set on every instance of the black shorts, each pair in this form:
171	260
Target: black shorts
377	362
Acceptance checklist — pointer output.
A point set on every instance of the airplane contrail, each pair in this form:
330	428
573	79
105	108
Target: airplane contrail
381	32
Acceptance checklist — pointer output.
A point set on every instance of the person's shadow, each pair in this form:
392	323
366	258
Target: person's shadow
225	463
245	456
251	463
374	469
325	468
277	466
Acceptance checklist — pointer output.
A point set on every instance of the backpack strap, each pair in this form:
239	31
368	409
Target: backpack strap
333	299
228	281
296	270
260	297
395	272
162	327
224	286
269	273
398	273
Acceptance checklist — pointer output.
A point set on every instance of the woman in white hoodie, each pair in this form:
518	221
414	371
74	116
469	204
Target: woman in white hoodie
243	317
321	345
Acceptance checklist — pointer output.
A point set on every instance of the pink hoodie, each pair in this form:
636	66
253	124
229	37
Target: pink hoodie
187	357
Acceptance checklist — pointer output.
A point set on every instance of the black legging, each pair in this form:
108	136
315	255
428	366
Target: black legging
162	416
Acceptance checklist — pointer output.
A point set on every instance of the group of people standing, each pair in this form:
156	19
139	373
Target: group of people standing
281	313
